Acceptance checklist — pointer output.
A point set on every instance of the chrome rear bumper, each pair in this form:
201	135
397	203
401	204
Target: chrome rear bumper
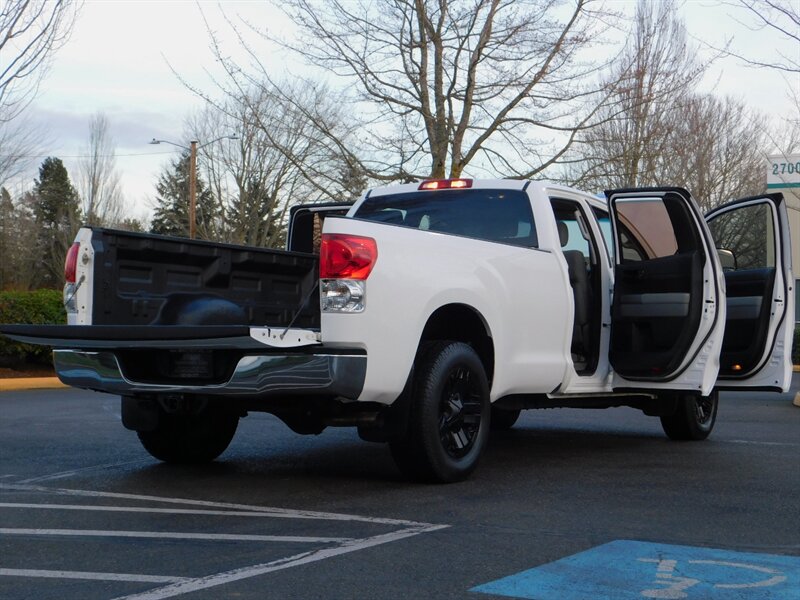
257	375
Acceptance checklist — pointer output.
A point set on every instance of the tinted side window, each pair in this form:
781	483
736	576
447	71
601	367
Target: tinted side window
748	232
645	230
573	230
495	215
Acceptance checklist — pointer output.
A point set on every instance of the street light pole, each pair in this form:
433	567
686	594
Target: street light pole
193	174
192	188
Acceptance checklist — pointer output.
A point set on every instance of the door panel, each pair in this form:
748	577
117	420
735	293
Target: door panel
657	308
747	323
666	326
757	344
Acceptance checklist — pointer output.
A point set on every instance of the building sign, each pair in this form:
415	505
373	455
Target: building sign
783	171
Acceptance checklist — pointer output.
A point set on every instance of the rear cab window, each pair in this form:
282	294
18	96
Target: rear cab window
495	215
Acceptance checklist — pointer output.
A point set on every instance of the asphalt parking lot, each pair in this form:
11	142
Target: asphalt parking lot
568	505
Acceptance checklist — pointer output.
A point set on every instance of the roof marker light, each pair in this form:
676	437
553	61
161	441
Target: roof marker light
444	184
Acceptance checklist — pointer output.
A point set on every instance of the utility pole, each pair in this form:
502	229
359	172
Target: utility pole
192	188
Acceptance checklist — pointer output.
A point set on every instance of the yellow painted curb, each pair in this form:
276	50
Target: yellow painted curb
30	383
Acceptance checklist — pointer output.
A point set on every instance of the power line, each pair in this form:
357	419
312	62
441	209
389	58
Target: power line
84	155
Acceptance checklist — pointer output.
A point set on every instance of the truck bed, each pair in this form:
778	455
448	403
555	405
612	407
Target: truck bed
147	279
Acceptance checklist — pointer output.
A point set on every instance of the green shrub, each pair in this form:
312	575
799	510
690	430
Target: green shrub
39	307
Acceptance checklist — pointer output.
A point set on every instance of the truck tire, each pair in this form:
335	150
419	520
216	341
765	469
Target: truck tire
503	419
450	414
190	439
694	417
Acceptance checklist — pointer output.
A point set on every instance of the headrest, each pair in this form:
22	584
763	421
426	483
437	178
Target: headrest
563	233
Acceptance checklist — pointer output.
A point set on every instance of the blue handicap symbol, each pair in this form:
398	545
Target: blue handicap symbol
630	570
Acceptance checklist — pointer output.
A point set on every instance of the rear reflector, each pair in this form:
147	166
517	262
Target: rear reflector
346	256
445	184
71	264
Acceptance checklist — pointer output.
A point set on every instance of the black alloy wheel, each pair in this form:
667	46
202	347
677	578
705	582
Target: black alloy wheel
460	412
449	419
694	417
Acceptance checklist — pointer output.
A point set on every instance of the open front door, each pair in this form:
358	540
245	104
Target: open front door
667	316
754	245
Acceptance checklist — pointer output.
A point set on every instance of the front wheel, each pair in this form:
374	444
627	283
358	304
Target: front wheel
694	417
190	438
450	414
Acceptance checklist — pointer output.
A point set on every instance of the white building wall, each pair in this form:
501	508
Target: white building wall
783	175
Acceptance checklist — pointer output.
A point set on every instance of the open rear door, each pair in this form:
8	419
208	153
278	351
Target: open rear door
668	310
754	244
305	224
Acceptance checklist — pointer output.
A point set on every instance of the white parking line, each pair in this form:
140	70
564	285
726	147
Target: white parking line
141	509
176	586
65	474
272	511
90	576
204	583
754	443
175	535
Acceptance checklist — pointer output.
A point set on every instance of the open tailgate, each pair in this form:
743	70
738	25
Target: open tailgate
97	337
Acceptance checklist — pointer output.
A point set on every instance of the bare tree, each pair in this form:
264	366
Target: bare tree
782	18
653	79
30	31
713	147
247	176
98	178
500	86
277	160
717	150
20	141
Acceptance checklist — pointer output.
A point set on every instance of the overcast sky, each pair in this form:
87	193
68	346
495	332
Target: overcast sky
118	62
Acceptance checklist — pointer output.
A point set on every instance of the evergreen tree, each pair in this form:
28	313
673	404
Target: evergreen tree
7	250
57	214
171	214
57	201
131	224
249	218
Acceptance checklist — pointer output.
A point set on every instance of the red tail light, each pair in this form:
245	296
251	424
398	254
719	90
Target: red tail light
445	184
71	264
346	256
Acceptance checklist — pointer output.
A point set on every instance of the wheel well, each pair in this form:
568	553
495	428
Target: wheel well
462	323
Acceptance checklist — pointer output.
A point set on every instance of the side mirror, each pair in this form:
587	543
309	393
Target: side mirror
727	259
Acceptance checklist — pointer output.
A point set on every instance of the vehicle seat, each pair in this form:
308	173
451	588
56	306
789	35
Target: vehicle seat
581	292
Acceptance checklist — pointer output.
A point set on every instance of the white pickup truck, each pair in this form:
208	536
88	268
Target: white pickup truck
444	308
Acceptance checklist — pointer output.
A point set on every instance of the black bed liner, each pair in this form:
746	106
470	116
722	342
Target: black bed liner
148	279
